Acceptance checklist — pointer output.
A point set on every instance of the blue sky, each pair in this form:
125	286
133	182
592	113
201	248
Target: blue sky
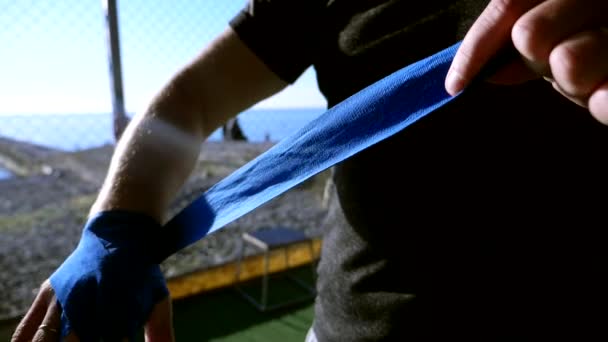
53	54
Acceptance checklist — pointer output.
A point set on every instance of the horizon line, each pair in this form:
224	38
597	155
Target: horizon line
132	112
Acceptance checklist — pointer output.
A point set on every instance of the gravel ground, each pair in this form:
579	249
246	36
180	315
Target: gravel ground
41	215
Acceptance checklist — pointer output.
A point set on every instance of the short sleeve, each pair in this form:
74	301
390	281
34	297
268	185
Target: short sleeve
282	33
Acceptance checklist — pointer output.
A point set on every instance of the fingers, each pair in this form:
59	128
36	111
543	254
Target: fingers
580	63
580	71
598	103
28	326
566	41
43	320
50	329
543	27
159	327
488	35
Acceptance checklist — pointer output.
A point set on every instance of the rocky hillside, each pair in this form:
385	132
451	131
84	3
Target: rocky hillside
43	208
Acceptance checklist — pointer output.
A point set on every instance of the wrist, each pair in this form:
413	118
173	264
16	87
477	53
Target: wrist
135	232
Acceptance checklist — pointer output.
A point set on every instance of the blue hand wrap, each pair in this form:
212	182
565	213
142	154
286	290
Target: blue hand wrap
109	284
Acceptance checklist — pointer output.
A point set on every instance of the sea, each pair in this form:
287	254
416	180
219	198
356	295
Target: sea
76	132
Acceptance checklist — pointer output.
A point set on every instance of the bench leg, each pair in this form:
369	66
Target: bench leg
265	280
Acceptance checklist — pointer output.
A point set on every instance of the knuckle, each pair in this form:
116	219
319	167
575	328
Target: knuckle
505	6
565	64
510	8
496	10
500	11
528	37
598	104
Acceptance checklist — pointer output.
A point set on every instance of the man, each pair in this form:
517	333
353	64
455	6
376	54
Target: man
479	221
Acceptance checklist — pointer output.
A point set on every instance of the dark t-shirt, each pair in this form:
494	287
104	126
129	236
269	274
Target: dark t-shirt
479	221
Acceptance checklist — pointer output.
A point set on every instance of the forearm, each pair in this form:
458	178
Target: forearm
154	157
160	146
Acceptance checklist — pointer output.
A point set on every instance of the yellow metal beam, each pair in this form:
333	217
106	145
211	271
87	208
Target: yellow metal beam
251	267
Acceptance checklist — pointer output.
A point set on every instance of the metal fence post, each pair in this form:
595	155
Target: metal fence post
119	117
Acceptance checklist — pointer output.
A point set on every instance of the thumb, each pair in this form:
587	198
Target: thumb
159	327
490	33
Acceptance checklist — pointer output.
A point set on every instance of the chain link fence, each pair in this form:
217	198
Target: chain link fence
51	64
55	86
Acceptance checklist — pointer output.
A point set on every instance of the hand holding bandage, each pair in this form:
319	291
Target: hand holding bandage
564	41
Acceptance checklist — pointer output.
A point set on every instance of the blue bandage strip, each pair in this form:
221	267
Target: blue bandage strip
372	115
109	284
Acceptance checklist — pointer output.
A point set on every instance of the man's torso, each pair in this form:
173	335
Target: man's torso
471	221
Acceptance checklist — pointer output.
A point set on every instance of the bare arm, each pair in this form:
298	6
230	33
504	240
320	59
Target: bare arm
158	151
161	145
